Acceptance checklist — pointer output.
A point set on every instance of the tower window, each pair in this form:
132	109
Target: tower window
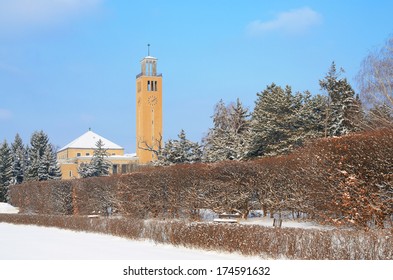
148	86
155	85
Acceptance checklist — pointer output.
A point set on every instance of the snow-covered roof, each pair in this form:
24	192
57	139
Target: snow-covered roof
89	140
149	57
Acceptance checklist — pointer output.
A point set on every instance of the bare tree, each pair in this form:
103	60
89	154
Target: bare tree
375	81
155	147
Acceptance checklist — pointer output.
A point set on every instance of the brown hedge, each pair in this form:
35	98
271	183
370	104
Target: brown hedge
346	180
251	240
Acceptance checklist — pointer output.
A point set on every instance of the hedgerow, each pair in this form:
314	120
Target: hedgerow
341	181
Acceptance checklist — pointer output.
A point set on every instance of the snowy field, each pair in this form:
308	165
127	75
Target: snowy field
21	242
5	208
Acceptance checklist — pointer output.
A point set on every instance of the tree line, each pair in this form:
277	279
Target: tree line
282	121
20	163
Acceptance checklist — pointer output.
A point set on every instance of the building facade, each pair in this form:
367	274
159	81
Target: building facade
81	150
148	110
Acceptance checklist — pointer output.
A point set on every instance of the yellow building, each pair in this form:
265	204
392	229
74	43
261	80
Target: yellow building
148	110
81	150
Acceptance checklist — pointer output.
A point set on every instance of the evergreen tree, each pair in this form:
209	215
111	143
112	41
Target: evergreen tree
99	165
311	114
48	168
38	144
179	151
275	122
99	161
85	170
229	138
42	163
54	171
19	161
5	171
344	108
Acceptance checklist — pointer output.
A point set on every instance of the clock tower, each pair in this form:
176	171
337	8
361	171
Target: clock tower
148	110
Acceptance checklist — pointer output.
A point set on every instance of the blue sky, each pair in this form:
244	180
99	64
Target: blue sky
67	65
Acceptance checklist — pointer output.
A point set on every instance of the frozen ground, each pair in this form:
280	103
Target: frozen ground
257	219
290	223
21	242
7	209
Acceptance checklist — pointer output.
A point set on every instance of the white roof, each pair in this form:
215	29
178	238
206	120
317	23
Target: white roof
89	140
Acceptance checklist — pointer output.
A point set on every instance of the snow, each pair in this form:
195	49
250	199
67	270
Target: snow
88	141
6	208
25	242
225	220
256	218
286	223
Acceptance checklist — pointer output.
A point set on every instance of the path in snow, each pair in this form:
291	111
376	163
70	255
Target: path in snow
21	242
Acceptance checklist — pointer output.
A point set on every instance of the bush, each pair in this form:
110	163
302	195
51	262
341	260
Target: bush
250	240
341	181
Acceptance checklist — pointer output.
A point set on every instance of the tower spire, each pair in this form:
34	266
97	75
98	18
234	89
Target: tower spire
148	49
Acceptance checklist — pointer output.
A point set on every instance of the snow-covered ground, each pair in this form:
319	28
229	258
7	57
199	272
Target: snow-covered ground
5	208
256	218
286	223
21	242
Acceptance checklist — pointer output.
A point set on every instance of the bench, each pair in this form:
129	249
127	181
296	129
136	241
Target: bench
231	221
229	216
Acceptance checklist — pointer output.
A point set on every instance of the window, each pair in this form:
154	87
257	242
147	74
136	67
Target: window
87	154
148	86
124	168
78	154
155	86
114	169
70	173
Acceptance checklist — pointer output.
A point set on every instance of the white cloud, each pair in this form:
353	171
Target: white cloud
291	22
5	114
31	13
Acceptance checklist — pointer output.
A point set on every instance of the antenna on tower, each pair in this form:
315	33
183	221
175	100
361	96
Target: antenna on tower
148	49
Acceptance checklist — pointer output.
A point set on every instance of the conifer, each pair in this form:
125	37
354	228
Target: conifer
5	171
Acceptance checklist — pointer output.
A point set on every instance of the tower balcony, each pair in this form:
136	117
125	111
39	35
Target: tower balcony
148	75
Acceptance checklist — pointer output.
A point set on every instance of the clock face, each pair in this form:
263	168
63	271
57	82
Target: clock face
152	100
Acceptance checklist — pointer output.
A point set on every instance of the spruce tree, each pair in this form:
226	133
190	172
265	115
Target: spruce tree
99	161
5	171
229	138
19	160
274	122
54	172
42	162
180	150
99	165
38	144
344	108
48	168
311	115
